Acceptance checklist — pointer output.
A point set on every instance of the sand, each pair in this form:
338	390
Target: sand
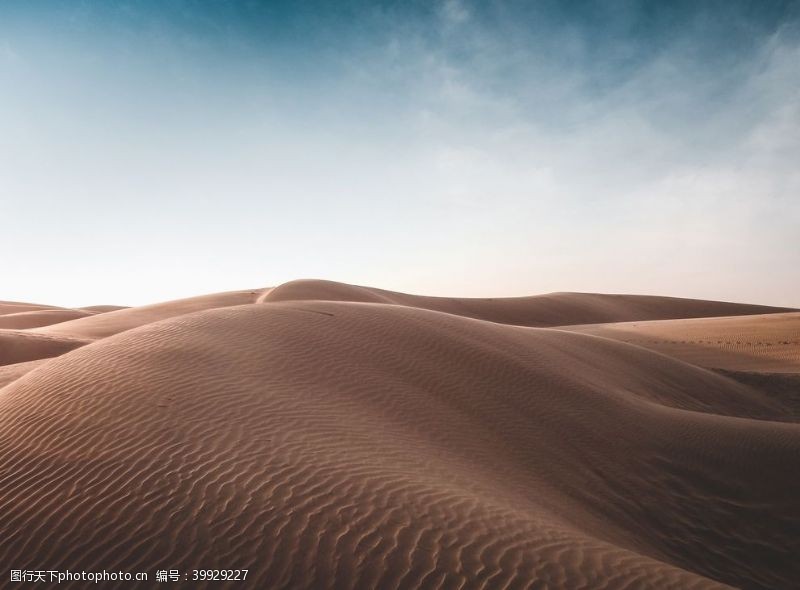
119	320
553	309
38	318
409	442
7	307
18	346
768	343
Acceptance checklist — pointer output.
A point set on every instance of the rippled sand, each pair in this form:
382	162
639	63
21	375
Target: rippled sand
324	435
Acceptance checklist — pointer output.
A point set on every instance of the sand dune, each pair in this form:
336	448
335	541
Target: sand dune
7	307
14	371
778	386
36	319
113	322
554	309
768	343
18	346
338	444
103	308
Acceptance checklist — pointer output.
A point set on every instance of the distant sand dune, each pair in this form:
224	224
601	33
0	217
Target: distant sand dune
554	309
113	322
768	343
103	308
36	319
379	444
7	307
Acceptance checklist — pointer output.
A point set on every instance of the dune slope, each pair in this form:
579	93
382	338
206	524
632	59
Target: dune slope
14	371
18	346
352	445
7	307
766	343
103	308
119	320
36	319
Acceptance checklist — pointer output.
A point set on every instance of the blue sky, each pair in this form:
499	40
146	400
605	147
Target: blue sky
154	150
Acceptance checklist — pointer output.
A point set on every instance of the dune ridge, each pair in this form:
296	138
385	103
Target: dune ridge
363	444
119	320
7	307
553	309
36	319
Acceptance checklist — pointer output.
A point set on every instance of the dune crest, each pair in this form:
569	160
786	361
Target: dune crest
119	320
553	309
36	319
7	307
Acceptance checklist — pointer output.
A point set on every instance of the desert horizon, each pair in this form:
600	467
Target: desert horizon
34	304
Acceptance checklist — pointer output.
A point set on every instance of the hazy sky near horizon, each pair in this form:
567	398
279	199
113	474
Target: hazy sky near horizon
152	150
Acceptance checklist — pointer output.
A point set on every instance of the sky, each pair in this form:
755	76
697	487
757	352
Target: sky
152	150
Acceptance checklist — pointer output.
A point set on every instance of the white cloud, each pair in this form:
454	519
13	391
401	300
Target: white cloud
455	12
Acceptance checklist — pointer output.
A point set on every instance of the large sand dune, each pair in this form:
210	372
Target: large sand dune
397	444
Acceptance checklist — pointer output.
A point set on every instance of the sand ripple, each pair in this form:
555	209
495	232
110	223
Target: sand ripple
374	445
